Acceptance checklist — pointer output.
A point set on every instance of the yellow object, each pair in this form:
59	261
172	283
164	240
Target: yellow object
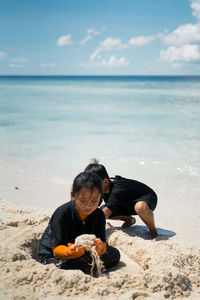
64	252
100	246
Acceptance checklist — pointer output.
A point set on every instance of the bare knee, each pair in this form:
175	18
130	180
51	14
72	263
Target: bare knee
141	207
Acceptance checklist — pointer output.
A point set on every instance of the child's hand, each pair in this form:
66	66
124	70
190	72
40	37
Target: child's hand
75	250
99	246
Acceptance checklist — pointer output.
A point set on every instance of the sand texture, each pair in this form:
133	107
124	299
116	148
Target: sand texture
162	269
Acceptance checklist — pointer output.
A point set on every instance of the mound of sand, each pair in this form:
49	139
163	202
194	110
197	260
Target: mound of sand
148	270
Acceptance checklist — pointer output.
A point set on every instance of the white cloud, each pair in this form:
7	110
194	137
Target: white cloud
19	60
184	34
86	39
16	66
116	43
111	43
107	45
195	5
90	35
65	40
141	40
49	65
114	62
95	54
185	53
184	42
2	55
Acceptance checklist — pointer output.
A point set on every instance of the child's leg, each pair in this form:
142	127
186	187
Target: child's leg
111	257
128	220
146	214
82	263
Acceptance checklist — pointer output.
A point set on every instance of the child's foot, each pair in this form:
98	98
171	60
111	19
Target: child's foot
153	234
128	222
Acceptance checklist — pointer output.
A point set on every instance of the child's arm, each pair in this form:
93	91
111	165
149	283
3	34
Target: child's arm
70	252
116	197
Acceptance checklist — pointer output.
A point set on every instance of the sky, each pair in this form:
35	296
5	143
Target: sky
99	37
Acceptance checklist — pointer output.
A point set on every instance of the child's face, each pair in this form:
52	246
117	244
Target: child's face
86	200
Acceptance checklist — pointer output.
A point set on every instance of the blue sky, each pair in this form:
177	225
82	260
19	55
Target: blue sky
99	37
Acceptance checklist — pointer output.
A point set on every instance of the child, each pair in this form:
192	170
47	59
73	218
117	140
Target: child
125	197
79	216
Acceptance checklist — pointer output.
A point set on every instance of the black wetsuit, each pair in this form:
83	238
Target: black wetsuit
63	228
125	193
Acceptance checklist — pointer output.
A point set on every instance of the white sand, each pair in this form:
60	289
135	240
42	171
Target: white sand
167	268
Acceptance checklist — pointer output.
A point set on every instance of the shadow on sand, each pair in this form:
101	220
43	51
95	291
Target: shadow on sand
142	232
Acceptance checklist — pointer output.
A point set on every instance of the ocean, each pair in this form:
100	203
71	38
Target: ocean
146	128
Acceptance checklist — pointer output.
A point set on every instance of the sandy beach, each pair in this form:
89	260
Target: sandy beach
143	128
167	268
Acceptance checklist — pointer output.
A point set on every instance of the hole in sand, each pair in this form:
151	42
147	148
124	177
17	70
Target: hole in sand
31	246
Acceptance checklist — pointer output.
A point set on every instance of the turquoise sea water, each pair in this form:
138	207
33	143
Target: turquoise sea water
137	126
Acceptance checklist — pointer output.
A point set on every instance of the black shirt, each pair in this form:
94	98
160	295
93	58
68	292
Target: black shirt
124	193
65	225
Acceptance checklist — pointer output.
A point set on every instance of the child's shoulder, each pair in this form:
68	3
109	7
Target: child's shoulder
123	183
119	180
129	184
64	208
122	179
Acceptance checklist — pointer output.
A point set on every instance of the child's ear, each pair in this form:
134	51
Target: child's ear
105	184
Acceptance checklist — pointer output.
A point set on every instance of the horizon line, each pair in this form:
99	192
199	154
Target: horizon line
123	75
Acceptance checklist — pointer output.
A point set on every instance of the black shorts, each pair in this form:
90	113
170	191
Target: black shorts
129	208
150	199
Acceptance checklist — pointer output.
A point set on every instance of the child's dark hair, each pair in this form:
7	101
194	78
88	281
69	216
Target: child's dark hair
86	180
97	168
